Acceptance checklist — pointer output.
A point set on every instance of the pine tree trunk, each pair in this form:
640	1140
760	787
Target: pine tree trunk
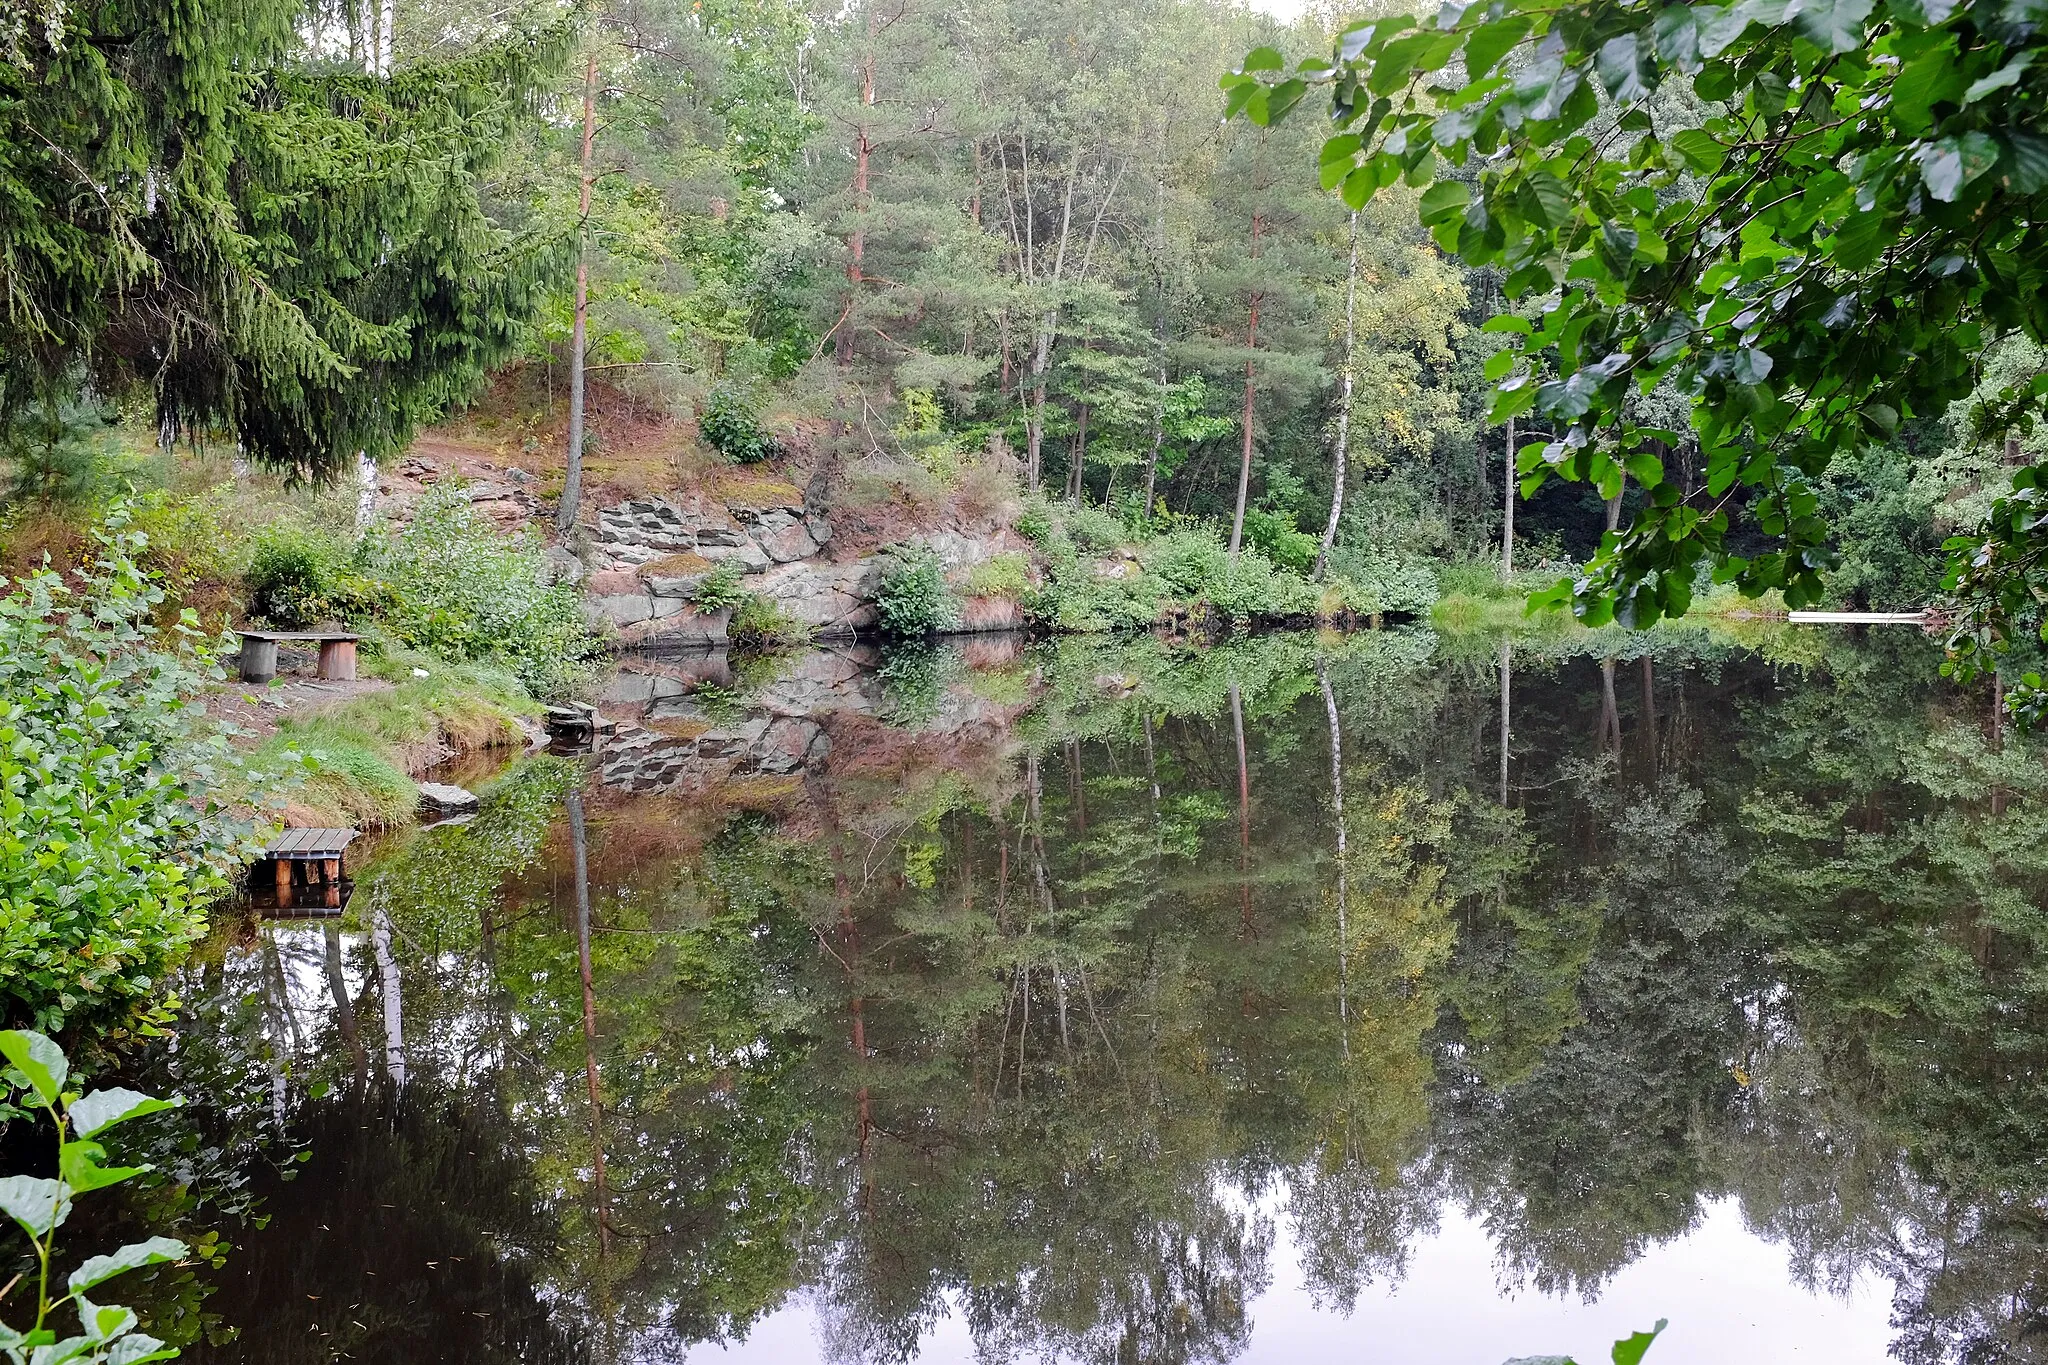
1343	451
572	483
1251	395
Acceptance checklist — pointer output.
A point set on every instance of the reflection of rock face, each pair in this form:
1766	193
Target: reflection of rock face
673	736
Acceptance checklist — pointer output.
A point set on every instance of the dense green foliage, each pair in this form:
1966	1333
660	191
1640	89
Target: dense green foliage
912	600
121	805
38	1071
209	203
1760	208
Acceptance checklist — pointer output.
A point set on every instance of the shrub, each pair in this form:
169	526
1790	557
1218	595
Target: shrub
720	590
730	426
915	675
1188	561
1282	541
1035	520
457	587
1005	575
118	801
760	623
298	578
1396	582
1094	529
912	601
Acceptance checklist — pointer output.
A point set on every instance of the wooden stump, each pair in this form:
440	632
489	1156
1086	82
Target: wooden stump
284	883
259	660
338	660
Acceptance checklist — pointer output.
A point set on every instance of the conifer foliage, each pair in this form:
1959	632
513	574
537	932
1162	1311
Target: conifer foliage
278	244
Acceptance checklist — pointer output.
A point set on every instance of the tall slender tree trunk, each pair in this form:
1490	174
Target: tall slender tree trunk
344	1008
1075	484
1251	394
1343	859
856	246
572	484
1338	464
1507	505
1507	673
1614	510
387	975
1244	817
1159	340
580	844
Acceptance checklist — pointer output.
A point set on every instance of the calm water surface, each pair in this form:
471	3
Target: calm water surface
1130	1004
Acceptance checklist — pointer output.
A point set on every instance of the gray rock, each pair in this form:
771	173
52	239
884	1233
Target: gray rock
681	585
720	535
752	558
789	543
561	565
665	607
820	529
447	798
621	609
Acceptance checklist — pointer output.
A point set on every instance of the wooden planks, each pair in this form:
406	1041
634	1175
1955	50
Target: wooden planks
310	845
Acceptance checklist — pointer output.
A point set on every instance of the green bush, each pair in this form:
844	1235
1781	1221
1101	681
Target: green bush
1005	575
912	600
730	426
1035	521
1187	561
1282	541
915	675
760	623
118	801
455	586
1094	529
299	577
1396	582
720	589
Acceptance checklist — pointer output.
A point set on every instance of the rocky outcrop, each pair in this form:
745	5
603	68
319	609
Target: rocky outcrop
652	555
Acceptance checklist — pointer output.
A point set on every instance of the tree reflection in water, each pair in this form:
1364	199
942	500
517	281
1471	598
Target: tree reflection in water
1043	1008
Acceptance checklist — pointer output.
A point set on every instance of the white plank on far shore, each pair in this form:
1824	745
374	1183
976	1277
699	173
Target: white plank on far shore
1857	618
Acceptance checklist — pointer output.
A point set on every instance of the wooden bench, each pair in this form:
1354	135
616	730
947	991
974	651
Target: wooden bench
259	653
303	858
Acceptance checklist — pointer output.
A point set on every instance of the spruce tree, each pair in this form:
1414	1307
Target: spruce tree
278	244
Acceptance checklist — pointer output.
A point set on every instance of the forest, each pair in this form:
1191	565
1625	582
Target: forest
966	250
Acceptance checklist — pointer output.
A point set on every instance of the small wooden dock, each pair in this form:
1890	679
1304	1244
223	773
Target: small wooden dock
302	874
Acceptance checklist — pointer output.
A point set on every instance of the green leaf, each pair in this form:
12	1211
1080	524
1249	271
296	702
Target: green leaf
1647	468
1861	239
2028	157
1677	36
1630	1351
105	1321
2006	75
78	1164
1490	42
37	1058
1952	163
1700	150
1925	13
1261	59
136	1348
1923	83
1444	199
37	1204
99	1269
1621	68
1834	25
102	1109
1550	198
1751	366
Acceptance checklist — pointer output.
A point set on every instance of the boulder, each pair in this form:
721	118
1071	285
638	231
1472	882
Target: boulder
447	799
789	542
620	609
750	557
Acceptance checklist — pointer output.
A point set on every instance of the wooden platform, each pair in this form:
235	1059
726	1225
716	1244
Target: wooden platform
304	875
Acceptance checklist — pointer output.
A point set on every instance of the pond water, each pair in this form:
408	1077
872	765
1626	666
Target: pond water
1125	1003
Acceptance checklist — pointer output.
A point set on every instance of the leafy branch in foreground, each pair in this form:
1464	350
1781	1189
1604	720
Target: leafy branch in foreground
1810	217
40	1205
